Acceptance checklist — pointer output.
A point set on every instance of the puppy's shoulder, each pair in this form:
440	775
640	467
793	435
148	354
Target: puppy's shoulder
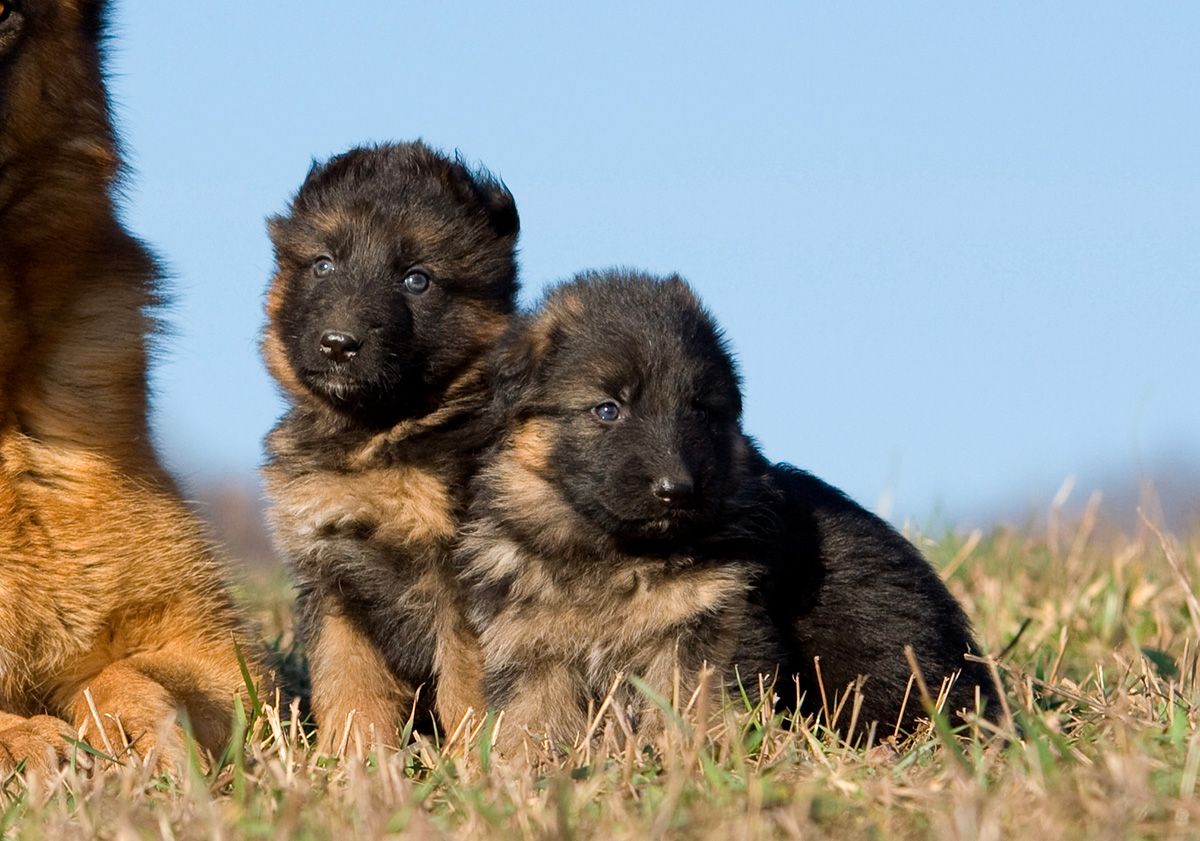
819	517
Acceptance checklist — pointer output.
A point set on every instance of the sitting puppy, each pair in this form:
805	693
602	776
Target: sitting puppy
395	271
625	523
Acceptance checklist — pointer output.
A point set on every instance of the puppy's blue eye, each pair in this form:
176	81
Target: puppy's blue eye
416	282
323	267
608	412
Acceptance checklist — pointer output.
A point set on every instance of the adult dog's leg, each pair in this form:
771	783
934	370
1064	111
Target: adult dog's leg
143	700
42	741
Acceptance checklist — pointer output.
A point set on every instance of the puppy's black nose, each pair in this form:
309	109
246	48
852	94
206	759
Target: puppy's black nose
675	491
339	346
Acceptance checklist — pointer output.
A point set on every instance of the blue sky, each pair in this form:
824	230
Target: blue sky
955	246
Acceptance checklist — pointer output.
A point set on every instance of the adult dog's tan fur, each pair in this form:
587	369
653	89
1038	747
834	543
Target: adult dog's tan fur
106	581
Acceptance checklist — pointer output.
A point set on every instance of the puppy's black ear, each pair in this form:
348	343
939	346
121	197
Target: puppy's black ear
512	369
522	353
489	193
499	204
94	16
276	224
277	232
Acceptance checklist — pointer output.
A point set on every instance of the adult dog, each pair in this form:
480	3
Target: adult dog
113	610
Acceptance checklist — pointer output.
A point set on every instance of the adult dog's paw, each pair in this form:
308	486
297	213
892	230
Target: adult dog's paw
43	742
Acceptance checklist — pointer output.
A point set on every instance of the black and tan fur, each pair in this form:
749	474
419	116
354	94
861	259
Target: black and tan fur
367	471
107	583
625	523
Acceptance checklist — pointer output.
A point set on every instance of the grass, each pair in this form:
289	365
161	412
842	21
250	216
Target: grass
1100	634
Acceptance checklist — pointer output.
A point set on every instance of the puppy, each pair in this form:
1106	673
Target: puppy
623	522
396	270
107	583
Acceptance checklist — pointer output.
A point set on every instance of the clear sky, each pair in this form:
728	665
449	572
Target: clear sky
955	246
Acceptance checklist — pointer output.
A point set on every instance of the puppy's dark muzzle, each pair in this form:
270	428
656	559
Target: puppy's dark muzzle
337	346
677	493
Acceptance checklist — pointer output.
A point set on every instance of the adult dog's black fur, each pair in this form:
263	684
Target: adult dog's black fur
395	271
625	522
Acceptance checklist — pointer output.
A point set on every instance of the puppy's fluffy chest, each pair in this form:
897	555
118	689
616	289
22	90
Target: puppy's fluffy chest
397	494
368	522
601	614
397	505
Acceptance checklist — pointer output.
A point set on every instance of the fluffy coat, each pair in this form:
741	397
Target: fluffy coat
624	522
396	269
107	582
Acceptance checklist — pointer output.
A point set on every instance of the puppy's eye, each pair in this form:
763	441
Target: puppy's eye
5	9
416	282
608	411
323	267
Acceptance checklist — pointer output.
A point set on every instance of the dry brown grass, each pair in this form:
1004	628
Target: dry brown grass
1101	740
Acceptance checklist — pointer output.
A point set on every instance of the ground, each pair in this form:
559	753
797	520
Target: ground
1097	634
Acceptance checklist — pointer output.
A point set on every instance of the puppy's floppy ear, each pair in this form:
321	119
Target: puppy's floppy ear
489	193
513	365
500	206
93	13
523	351
277	232
276	224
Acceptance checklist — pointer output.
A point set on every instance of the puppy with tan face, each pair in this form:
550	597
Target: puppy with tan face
624	522
395	272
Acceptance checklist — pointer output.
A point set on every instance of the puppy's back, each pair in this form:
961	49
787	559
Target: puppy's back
851	593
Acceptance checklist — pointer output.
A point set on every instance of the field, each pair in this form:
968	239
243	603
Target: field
1098	638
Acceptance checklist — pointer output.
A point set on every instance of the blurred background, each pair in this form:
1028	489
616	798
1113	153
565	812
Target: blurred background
956	247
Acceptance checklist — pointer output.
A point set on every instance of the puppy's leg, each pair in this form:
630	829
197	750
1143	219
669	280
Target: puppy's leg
664	675
545	701
458	664
42	741
356	699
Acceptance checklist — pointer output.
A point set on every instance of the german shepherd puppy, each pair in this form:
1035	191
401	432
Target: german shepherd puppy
396	270
107	583
624	522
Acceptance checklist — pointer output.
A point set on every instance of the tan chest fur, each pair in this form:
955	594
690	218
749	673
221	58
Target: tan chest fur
606	621
396	505
94	565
